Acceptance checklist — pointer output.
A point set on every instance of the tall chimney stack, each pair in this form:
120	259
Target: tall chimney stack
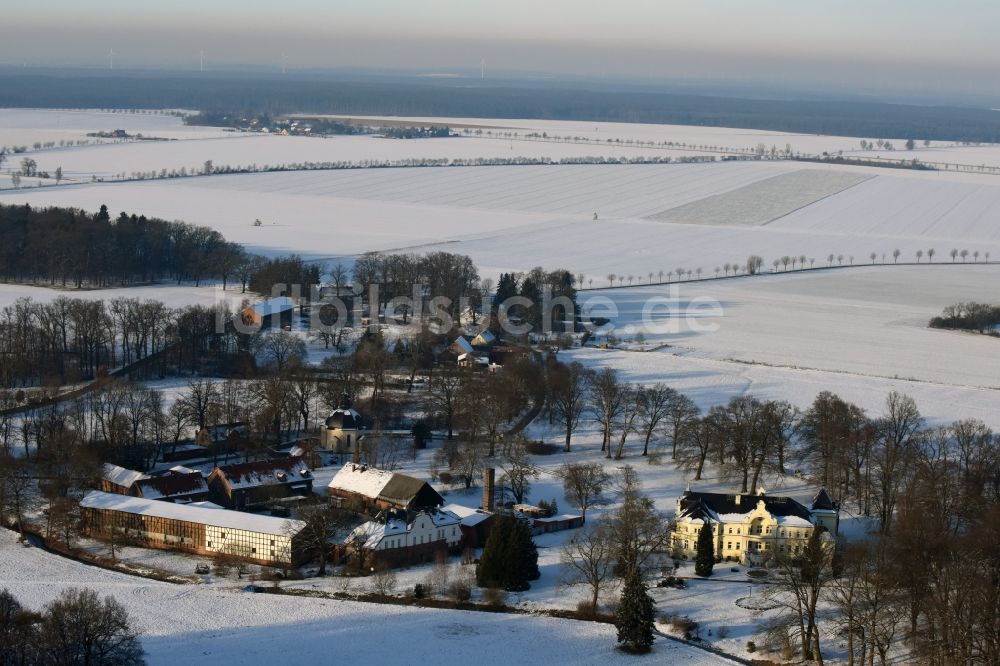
489	478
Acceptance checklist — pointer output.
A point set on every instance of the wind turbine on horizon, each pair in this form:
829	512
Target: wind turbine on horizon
284	63
111	58
201	60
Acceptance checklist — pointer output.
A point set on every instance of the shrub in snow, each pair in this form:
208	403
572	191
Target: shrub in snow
494	596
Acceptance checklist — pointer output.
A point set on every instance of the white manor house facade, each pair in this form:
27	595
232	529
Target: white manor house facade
750	528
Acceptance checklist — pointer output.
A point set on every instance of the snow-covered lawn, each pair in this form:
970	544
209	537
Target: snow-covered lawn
195	624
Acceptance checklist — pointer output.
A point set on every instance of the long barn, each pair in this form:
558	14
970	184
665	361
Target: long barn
194	528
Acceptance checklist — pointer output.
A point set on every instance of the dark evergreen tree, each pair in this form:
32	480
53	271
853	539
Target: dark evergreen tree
705	559
510	558
634	619
506	288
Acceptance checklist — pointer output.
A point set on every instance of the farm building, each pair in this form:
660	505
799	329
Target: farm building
247	485
749	528
484	340
273	313
399	538
461	345
474	523
115	479
558	523
222	437
179	484
473	361
385	490
201	529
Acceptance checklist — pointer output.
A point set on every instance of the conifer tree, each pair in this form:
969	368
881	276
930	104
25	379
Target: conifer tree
510	558
705	559
634	619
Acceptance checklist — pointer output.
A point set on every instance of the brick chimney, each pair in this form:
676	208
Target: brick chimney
489	478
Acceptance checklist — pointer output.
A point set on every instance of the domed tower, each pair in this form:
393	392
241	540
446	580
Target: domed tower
343	429
825	512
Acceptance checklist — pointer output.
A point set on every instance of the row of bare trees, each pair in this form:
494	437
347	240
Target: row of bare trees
576	395
69	339
929	590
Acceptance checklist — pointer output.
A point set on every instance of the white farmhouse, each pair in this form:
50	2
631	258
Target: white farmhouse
399	538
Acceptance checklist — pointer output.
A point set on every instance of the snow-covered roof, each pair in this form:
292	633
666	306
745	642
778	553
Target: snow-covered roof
273	306
192	513
375	484
443	518
290	470
467	515
172	486
734	508
792	521
474	357
360	479
121	476
484	338
558	519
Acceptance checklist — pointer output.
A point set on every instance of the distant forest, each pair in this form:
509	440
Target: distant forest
267	94
69	247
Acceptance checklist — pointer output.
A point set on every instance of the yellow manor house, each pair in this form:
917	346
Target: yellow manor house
749	528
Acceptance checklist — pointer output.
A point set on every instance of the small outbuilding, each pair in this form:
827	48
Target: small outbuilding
272	313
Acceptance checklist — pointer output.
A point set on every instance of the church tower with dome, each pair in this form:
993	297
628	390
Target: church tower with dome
344	429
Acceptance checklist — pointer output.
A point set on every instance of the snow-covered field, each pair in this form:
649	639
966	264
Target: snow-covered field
246	150
172	295
735	138
516	217
869	322
195	624
945	211
691	136
764	201
24	127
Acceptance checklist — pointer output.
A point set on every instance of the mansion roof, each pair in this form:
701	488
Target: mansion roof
720	507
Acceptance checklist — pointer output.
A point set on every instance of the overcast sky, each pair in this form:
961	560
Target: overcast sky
920	45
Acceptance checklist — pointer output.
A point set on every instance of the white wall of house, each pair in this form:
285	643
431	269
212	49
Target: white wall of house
422	530
276	548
